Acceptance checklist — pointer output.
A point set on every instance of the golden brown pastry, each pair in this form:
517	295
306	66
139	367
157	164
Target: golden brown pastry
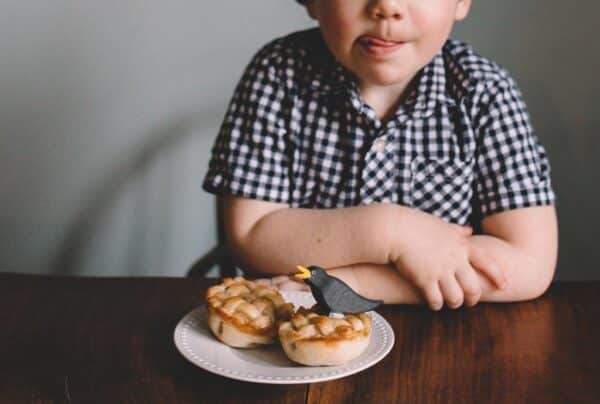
244	314
317	340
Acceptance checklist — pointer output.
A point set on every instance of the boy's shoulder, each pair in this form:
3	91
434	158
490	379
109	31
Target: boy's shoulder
466	66
300	59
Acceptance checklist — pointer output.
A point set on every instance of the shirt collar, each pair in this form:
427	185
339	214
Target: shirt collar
431	88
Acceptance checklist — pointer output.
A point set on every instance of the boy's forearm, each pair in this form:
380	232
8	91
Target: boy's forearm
326	237
381	282
526	278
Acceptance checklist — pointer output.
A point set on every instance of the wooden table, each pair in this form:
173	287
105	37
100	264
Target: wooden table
110	340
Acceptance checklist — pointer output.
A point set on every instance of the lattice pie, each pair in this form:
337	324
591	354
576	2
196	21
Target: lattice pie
316	340
244	314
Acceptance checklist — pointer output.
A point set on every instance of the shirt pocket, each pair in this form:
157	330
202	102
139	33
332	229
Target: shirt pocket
442	187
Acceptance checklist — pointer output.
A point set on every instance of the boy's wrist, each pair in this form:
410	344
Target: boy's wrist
348	276
397	229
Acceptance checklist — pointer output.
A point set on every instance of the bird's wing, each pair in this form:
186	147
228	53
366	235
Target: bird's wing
345	300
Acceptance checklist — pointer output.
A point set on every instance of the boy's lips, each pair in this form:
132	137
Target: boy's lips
370	40
378	47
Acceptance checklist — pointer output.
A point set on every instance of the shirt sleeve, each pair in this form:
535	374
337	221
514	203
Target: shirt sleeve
249	155
512	168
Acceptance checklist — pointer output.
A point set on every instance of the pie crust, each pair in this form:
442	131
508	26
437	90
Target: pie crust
316	340
244	314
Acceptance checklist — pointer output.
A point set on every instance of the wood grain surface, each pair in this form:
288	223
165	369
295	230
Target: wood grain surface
110	340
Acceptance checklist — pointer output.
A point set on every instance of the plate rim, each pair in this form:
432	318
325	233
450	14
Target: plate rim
232	374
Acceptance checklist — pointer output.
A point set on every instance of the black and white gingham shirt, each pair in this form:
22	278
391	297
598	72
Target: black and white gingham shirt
298	132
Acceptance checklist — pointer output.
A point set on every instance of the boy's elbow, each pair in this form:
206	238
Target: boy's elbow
541	267
241	250
239	256
242	222
244	256
541	283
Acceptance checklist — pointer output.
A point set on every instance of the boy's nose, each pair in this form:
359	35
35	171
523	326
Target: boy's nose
384	9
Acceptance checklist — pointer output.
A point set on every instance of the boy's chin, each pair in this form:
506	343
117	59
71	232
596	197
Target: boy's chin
385	78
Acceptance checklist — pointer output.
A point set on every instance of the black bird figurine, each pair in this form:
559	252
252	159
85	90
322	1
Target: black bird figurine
332	294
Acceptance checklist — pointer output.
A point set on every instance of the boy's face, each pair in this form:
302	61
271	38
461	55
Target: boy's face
413	30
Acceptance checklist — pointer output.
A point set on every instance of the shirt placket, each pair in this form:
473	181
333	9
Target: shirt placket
378	177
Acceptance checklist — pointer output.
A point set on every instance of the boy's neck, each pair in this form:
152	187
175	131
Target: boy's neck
385	100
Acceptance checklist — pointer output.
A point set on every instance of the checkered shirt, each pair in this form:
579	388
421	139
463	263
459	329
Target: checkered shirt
297	132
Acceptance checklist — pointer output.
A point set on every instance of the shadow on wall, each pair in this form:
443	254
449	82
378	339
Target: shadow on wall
85	224
572	151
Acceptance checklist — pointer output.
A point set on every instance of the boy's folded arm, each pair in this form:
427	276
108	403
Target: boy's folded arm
524	242
272	238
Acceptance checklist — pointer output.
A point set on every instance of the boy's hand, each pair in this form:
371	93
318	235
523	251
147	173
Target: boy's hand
438	258
283	282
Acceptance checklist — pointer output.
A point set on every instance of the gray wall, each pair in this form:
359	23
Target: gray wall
108	110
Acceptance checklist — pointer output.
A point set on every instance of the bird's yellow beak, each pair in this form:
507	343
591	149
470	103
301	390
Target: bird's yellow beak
303	274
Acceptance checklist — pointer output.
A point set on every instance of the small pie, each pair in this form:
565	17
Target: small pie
316	340
244	314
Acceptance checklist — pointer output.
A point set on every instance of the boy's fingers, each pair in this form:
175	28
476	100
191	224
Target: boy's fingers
291	285
467	279
453	294
279	279
433	296
283	282
482	262
466	230
273	282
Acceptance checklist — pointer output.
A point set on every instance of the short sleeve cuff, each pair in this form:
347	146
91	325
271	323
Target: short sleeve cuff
515	199
219	183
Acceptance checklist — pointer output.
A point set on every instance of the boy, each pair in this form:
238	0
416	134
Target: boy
372	146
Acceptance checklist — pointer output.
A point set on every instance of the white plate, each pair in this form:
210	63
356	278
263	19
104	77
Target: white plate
195	341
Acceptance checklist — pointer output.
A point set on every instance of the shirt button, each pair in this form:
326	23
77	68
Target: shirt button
379	145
